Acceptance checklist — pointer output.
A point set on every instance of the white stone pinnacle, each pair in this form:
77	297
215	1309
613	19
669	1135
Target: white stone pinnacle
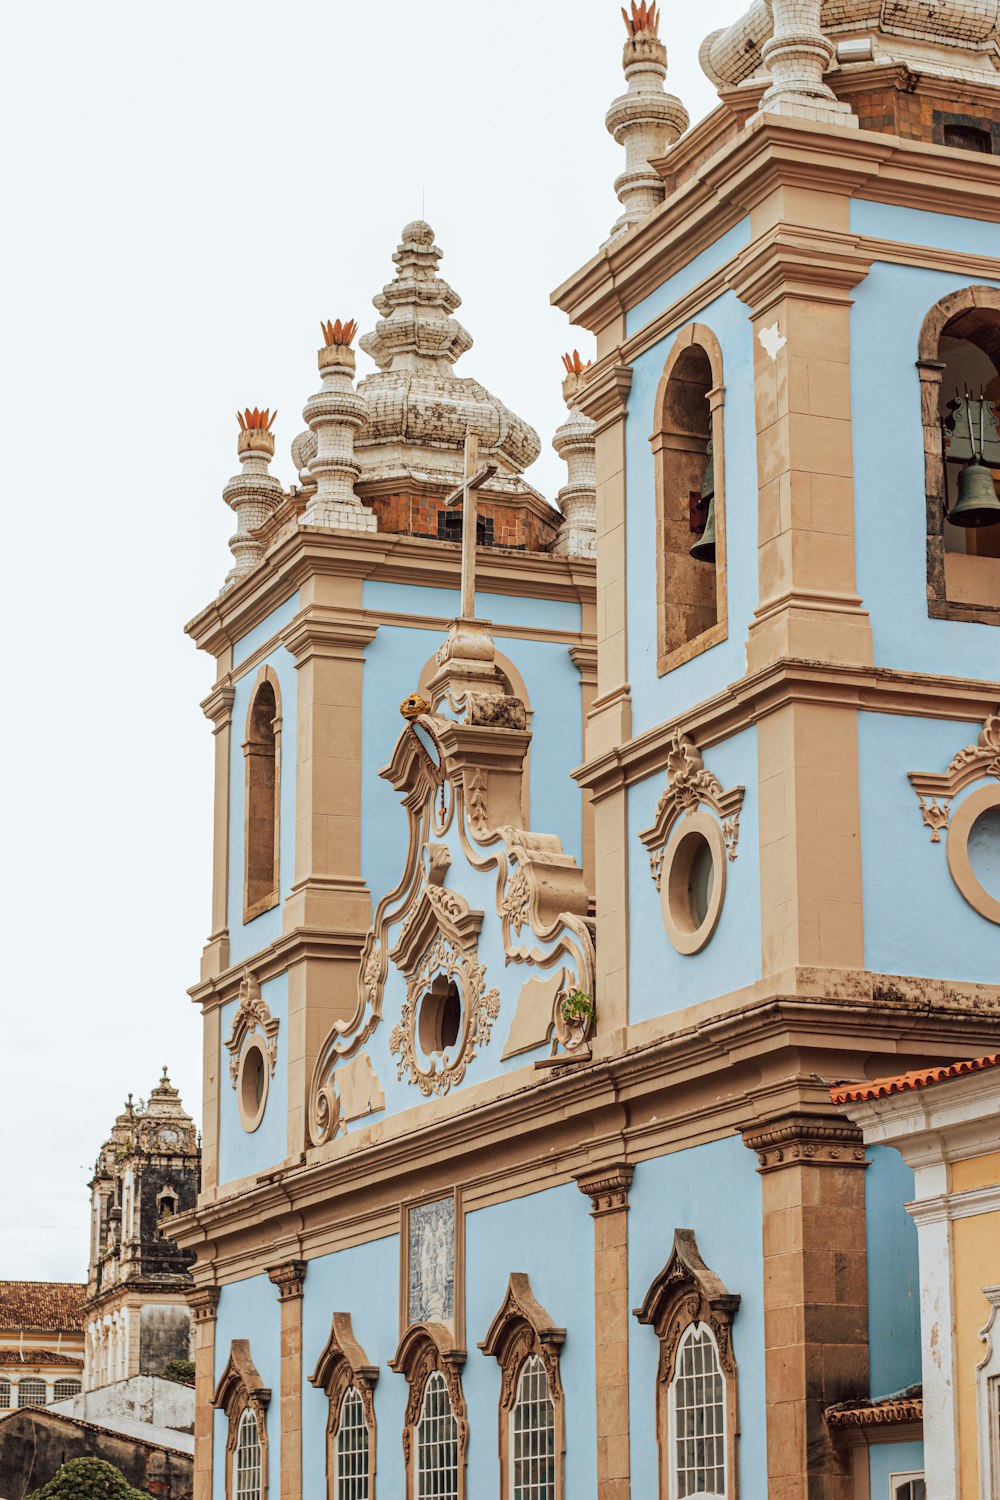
254	493
574	441
646	120
336	413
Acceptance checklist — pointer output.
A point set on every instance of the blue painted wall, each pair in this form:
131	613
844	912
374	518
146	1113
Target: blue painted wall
249	1310
890	517
661	979
714	1190
892	1458
241	1153
268	627
893	1275
249	938
703	264
362	1281
654	698
549	1236
916	922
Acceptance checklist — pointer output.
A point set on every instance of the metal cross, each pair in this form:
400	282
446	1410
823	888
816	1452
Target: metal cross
475	476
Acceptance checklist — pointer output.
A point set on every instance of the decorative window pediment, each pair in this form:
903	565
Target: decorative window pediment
426	1350
241	1391
935	789
685	1299
973	827
526	1344
343	1368
689	785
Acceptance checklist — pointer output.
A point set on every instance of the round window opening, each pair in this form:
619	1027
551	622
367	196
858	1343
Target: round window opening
440	1019
974	851
251	1087
693	882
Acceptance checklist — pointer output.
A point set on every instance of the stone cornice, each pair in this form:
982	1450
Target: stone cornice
793	260
944	1208
331	634
743	703
774	153
204	1303
651	1091
604	394
386	557
291	948
218	706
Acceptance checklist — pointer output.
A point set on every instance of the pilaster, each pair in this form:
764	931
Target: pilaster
607	1189
288	1278
585	660
604	398
211	1086
218	707
204	1303
815	1295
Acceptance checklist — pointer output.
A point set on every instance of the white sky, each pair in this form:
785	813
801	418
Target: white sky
189	190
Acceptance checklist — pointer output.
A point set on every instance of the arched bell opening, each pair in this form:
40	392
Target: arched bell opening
959	369
690	500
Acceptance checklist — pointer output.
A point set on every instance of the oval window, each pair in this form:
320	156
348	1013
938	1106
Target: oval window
251	1085
693	882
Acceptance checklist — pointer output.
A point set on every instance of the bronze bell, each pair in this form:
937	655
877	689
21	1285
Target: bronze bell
703	547
977	503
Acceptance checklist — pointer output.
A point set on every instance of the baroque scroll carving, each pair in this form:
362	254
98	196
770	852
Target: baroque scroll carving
252	1014
689	784
935	790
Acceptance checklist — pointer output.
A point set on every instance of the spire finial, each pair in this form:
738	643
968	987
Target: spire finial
254	494
336	414
575	443
646	120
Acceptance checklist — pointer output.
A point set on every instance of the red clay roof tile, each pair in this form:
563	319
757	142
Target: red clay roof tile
41	1305
919	1078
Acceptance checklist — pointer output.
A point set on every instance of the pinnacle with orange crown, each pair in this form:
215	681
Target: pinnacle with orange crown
574	364
339	333
643	18
251	420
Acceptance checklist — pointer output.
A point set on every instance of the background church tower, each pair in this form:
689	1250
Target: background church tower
136	1315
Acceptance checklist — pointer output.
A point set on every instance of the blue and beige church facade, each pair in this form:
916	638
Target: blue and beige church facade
566	860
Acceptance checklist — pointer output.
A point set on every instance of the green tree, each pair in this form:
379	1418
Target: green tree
88	1479
181	1370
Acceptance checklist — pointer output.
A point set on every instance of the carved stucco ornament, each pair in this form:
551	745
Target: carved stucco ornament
463	775
935	790
689	784
252	1014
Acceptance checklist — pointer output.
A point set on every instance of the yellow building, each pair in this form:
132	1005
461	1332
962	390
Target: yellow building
943	1121
41	1342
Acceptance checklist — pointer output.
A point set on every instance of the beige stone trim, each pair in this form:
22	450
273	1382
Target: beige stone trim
607	1188
457	1325
253	1052
522	1329
695	829
687	1292
961	869
204	1303
288	1278
935	790
342	1365
240	1388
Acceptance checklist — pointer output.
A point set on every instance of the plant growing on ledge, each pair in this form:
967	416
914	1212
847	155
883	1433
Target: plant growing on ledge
577	1006
180	1370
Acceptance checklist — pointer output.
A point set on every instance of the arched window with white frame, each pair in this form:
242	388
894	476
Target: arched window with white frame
352	1457
697	1398
31	1393
697	1417
348	1378
247	1458
526	1344
5	1401
64	1389
533	1435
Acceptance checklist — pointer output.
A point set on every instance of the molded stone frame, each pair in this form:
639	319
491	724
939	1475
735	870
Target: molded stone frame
988	1400
343	1364
240	1387
257	753
690	785
523	1328
687	1292
691	607
958	308
457	1321
424	1348
255	1030
935	792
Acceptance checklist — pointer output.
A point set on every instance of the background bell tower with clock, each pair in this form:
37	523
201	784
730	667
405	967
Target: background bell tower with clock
148	1171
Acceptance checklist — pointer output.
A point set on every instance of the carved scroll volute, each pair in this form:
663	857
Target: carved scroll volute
554	881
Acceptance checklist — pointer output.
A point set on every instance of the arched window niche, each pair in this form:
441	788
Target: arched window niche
244	1399
262	803
691	612
959	351
526	1344
348	1379
697	1401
